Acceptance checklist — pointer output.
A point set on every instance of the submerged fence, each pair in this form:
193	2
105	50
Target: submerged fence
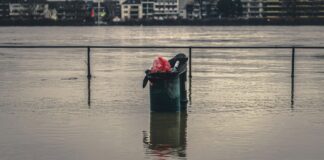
190	52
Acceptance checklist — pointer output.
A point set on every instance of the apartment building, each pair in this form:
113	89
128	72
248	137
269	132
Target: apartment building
201	9
273	9
276	9
27	10
4	9
148	9
73	10
166	9
131	10
253	8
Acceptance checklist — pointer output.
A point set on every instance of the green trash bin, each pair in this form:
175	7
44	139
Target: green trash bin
182	71
164	92
168	90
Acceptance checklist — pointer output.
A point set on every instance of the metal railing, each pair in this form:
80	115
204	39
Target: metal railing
190	51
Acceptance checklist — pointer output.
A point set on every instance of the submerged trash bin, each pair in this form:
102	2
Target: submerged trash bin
168	89
164	92
182	71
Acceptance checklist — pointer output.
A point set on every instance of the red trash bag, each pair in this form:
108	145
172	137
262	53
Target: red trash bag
160	64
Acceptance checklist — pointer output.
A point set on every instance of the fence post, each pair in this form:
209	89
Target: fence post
292	77
293	62
89	93
190	75
89	69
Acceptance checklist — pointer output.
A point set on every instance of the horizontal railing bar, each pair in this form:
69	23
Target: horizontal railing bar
43	47
174	47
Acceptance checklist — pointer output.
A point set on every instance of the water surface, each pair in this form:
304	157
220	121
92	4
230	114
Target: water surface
242	103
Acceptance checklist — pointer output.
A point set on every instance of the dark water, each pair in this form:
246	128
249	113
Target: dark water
242	103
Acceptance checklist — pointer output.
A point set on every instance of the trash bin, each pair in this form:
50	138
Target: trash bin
182	71
164	92
168	89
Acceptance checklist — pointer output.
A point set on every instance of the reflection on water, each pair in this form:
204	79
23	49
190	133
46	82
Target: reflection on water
292	91
292	78
89	92
167	135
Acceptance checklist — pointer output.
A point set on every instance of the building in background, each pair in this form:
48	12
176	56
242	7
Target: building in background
34	10
99	11
73	10
19	10
273	9
131	10
183	14
310	9
166	9
252	8
28	10
4	9
148	9
202	9
182	9
298	9
208	8
189	11
196	10
113	10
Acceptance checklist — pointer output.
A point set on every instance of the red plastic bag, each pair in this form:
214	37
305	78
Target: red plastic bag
160	64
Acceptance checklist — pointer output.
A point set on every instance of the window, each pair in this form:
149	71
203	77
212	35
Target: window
134	13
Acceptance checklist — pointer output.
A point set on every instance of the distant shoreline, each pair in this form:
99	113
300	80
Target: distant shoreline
240	22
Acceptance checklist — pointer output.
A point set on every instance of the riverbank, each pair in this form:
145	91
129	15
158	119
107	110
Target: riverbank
211	22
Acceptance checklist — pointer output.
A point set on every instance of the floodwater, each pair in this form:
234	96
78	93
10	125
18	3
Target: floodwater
243	104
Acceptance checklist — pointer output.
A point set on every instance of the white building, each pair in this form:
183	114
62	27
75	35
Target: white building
183	14
166	9
19	9
23	10
131	10
148	8
252	8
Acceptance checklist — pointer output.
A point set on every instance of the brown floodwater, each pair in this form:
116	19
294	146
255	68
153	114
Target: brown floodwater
243	104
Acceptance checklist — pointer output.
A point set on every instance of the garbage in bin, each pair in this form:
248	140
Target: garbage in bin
161	64
167	84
